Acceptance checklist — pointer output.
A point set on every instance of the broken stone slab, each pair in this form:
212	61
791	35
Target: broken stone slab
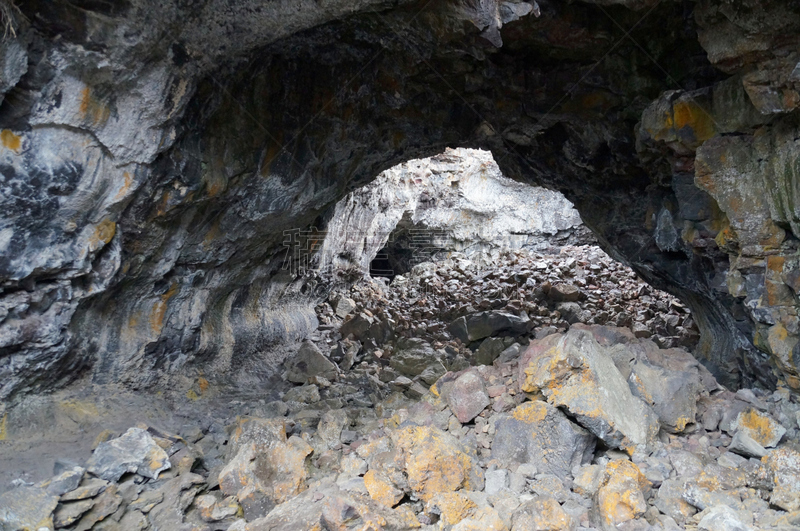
488	351
760	427
480	325
357	326
27	508
539	434
88	489
135	451
344	306
308	362
575	372
70	512
65	482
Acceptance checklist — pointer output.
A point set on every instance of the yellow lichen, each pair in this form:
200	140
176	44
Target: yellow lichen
452	506
381	490
3	427
10	140
759	427
530	412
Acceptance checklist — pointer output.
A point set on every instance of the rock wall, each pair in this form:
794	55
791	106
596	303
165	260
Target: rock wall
154	153
456	201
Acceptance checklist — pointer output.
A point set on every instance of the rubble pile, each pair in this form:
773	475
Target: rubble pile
461	399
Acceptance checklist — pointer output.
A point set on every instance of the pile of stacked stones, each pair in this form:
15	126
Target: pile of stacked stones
585	427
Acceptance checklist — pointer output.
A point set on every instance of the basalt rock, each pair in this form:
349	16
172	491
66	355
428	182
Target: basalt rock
163	164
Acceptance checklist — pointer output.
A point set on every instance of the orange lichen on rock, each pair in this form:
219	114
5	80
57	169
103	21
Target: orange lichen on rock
381	489
620	497
452	507
435	462
10	140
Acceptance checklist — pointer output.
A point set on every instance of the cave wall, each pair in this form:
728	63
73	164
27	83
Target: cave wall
154	154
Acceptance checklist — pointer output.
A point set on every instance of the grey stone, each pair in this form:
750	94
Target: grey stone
576	372
357	326
69	512
488	351
344	306
412	357
307	394
27	508
722	518
743	444
496	481
467	396
65	482
540	435
490	323
135	451
309	361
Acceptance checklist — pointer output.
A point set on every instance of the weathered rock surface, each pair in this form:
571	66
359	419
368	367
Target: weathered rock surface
540	434
575	372
135	451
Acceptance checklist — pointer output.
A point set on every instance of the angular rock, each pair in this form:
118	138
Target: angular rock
669	500
722	518
357	326
89	489
490	350
265	468
541	435
381	489
308	362
412	357
542	514
485	324
307	394
467	396
344	306
575	372
784	464
331	425
435	461
743	444
70	512
451	507
620	497
27	508
760	427
213	510
65	482
135	451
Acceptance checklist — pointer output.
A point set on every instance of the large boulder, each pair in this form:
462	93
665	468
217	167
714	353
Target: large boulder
540	434
264	468
479	325
467	396
620	497
575	372
135	451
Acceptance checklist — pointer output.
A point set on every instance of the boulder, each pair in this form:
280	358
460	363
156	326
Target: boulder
722	518
308	362
488	351
65	482
575	372
381	489
479	325
620	497
451	507
27	508
542	514
540	434
412	356
135	451
743	444
784	464
760	427
264	468
357	326
564	293
467	396
434	461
